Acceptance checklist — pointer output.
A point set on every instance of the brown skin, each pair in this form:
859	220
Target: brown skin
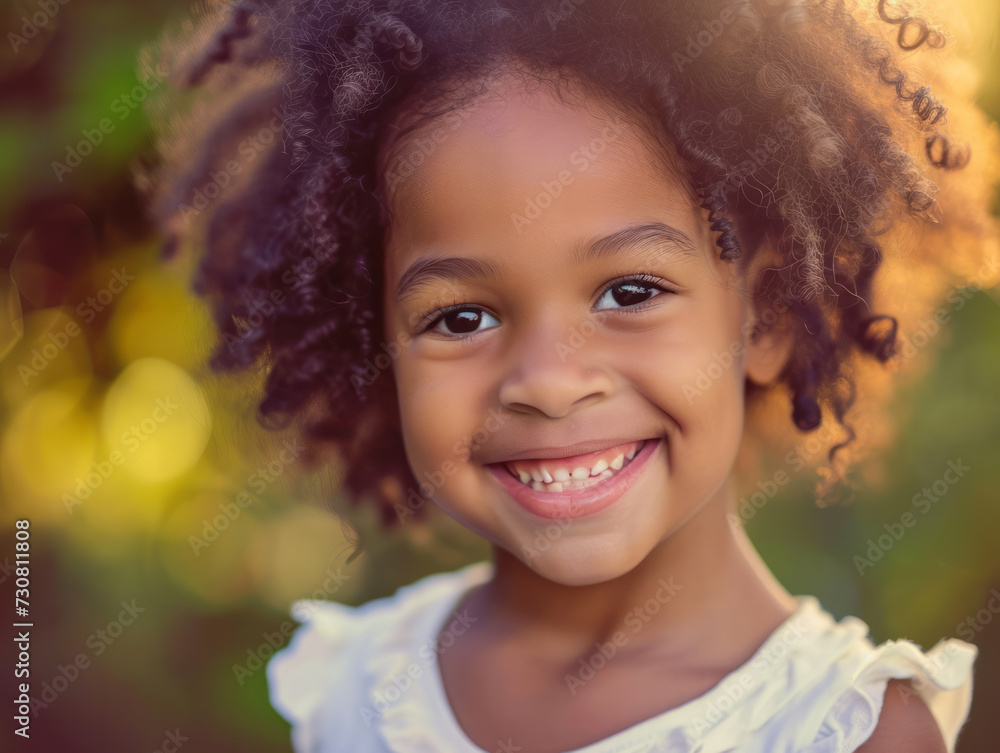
545	610
905	724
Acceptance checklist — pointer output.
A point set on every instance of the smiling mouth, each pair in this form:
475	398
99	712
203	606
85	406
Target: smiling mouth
578	496
577	472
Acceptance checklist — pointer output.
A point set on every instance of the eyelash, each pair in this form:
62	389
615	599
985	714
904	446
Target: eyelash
430	320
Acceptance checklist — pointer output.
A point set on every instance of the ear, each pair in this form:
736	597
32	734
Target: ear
768	323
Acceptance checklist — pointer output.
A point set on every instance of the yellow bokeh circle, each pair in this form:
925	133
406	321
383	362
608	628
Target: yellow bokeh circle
157	417
48	448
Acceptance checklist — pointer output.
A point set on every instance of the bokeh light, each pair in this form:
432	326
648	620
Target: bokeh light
155	415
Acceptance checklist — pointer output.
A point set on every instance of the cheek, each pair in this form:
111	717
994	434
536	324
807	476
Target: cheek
442	423
693	374
439	403
423	418
715	350
689	369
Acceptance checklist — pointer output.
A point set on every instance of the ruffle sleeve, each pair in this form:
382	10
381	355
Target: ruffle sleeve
334	667
942	677
299	675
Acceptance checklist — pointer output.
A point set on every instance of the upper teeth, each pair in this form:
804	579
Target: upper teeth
553	477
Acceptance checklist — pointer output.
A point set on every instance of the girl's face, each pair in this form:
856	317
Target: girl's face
572	353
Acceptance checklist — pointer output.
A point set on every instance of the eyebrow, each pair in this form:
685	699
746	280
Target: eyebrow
647	233
460	269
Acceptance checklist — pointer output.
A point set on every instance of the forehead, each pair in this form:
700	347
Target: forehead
513	141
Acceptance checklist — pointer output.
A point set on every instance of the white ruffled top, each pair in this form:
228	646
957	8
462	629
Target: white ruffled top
367	680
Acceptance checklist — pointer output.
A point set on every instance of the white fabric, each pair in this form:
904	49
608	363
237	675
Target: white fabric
367	680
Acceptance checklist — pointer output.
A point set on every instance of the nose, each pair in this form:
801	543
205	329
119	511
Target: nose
554	372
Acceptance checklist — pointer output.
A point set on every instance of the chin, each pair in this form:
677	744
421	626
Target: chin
576	563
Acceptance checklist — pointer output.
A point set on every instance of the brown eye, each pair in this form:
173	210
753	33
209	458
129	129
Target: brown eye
464	321
628	293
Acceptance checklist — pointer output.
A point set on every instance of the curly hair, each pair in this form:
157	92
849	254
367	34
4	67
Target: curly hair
794	120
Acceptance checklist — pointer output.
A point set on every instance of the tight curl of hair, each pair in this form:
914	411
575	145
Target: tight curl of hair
794	120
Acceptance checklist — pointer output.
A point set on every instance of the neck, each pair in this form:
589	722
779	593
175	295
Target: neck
702	585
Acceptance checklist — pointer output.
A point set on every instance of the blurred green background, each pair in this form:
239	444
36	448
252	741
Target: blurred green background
169	533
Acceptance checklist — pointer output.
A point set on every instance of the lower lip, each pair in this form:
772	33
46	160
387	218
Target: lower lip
576	503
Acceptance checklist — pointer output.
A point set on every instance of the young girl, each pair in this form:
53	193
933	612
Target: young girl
534	263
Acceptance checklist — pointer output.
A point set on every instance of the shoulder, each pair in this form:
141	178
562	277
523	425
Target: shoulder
325	657
896	697
338	651
843	693
905	724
